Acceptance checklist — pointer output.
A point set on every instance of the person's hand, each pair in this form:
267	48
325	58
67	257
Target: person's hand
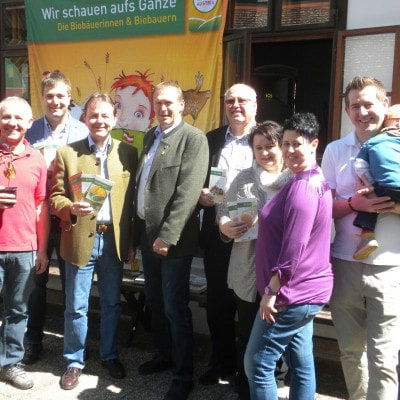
366	200
233	230
41	262
267	308
160	247
81	208
7	200
206	198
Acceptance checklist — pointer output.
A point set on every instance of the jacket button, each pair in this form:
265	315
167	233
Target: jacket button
91	234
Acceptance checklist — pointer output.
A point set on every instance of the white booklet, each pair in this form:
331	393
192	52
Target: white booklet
245	210
217	184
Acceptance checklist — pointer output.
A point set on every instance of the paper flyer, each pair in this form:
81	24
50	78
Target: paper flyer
245	210
90	188
97	192
217	184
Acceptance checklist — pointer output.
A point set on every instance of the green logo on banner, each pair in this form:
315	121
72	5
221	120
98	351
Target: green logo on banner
69	20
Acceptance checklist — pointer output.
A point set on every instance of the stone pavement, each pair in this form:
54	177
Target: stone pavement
95	384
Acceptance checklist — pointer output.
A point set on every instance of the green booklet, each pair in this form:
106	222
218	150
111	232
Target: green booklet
90	188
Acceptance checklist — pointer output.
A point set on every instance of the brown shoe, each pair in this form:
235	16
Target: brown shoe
70	378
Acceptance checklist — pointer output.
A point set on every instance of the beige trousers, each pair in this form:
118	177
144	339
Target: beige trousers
365	309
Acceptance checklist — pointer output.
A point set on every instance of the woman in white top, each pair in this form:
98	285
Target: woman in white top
261	182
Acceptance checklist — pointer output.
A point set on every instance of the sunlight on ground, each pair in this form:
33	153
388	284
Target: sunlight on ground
114	389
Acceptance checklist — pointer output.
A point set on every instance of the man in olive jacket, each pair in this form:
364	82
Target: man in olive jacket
94	241
172	170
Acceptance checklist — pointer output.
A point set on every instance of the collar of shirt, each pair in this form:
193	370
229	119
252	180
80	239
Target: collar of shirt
60	134
229	136
352	140
26	152
99	152
167	131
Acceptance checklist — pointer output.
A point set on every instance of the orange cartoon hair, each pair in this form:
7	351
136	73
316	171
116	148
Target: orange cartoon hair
140	82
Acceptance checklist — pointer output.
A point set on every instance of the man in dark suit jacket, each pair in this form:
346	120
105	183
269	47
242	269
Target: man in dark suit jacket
55	129
229	150
172	171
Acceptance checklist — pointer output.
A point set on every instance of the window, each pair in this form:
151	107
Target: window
283	14
14	76
233	67
14	33
305	12
371	52
251	14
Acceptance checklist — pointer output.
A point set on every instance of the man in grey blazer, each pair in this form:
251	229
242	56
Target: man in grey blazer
172	170
55	129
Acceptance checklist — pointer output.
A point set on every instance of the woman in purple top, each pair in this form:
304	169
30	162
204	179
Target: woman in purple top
294	275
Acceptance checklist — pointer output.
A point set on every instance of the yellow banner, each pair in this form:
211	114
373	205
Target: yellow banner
127	68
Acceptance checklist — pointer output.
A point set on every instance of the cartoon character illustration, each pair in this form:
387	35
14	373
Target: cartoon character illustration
135	112
195	99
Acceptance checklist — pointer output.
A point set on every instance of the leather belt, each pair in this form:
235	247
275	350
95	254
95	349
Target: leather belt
104	228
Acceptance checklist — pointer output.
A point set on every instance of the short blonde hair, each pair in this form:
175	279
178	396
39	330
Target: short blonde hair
168	84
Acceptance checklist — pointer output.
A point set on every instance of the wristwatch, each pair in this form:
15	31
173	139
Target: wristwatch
270	292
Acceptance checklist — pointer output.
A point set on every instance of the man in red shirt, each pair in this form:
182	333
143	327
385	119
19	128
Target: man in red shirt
23	232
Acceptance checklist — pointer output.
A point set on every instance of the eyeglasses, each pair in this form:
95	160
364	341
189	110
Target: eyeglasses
231	101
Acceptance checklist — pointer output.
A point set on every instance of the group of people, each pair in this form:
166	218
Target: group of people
276	280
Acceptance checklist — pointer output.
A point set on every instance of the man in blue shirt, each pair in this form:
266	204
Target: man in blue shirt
55	129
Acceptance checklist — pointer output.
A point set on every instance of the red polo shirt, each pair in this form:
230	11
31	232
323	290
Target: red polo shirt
18	224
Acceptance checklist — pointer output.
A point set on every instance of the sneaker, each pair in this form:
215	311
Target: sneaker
367	246
16	376
32	353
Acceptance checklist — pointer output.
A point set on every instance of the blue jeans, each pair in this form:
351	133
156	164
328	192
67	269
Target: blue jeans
16	280
78	282
167	296
38	298
291	333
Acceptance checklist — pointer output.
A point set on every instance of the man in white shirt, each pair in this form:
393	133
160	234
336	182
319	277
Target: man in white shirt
365	301
229	150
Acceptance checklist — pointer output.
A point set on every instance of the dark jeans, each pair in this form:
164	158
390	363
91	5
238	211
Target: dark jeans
367	221
38	297
221	307
247	311
167	296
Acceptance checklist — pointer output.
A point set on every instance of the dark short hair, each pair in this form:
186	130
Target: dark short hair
271	130
168	84
305	124
104	97
361	82
52	78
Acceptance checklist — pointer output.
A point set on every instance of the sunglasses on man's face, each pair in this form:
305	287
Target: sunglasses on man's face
232	100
